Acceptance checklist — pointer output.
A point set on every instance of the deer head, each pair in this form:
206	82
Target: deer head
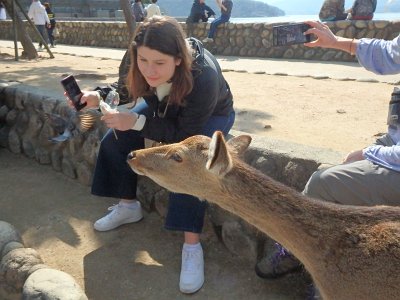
193	166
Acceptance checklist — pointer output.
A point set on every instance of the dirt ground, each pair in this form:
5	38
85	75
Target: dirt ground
327	113
55	214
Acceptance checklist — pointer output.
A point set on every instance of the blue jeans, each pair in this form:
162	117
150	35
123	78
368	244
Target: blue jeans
114	178
50	35
41	29
214	24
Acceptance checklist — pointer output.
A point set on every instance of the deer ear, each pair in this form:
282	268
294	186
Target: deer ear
240	143
219	160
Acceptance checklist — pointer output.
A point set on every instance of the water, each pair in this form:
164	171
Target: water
300	18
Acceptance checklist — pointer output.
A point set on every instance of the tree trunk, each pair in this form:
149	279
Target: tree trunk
130	20
24	38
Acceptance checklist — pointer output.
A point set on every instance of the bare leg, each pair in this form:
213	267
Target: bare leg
191	238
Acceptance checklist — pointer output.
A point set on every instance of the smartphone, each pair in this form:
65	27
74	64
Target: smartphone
74	92
290	34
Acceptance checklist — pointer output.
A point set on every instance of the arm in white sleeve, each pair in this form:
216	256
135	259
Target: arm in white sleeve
141	120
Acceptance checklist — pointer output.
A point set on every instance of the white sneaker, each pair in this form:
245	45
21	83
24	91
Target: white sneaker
208	40
118	216
192	271
39	49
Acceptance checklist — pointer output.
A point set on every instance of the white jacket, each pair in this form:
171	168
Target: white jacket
152	10
37	13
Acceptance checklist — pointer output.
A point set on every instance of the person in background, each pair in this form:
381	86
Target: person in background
3	15
332	10
368	176
37	13
153	9
200	12
362	10
184	94
226	10
138	11
51	25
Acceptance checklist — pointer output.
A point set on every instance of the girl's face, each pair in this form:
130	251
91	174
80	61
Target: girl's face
156	67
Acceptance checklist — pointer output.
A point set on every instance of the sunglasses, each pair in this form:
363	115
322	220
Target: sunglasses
163	107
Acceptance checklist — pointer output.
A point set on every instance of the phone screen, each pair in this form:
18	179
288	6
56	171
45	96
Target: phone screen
290	34
74	92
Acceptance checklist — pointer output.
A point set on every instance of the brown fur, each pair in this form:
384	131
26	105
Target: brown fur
351	252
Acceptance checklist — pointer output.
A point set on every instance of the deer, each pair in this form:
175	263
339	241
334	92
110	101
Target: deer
351	252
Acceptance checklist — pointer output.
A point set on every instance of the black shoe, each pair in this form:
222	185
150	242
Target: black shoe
278	264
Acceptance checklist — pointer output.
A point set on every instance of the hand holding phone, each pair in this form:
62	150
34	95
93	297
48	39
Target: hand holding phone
73	91
290	34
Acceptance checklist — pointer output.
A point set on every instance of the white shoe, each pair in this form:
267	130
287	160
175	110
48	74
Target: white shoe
192	271
118	216
208	40
39	49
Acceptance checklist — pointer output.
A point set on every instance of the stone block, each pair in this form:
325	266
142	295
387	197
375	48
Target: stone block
51	284
68	167
3	113
4	132
161	202
14	141
84	173
15	268
8	234
9	247
239	241
12	117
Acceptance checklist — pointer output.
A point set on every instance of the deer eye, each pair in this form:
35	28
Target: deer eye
176	157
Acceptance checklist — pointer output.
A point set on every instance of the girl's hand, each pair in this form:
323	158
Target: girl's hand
325	37
120	120
91	98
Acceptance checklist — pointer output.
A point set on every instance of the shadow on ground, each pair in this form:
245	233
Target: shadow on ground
54	215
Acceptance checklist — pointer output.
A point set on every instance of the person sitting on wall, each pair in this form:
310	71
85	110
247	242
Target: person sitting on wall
332	10
362	10
226	10
200	12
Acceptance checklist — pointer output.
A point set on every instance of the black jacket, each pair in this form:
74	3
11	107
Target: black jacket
51	16
210	96
199	11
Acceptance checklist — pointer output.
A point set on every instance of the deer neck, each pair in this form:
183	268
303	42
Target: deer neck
277	210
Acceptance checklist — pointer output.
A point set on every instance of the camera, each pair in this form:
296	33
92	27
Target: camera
290	34
74	92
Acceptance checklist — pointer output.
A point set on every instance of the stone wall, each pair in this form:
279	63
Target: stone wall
23	274
248	39
25	129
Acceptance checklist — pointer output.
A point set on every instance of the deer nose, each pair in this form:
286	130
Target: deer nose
131	155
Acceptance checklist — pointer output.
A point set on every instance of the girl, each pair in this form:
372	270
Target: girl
184	94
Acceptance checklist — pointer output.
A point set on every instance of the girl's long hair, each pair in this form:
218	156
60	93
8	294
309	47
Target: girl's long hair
163	34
